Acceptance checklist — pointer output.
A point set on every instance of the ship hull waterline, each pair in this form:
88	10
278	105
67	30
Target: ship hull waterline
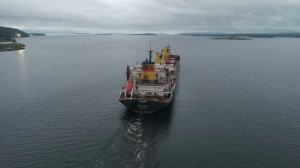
144	107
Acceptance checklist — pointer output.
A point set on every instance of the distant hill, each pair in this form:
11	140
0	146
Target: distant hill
7	33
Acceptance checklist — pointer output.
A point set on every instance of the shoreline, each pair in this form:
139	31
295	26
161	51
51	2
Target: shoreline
11	47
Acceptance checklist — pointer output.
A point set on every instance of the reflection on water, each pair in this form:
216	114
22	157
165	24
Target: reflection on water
136	145
23	72
22	64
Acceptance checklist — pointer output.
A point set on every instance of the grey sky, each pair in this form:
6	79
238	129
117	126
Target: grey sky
137	16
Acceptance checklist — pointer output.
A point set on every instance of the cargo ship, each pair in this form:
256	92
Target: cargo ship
150	86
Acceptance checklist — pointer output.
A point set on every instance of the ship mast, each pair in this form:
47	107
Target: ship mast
150	51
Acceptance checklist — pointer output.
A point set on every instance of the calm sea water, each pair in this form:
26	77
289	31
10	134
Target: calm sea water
237	104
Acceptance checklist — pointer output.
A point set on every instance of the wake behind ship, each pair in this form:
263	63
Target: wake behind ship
150	85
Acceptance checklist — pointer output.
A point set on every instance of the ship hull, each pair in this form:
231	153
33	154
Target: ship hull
144	107
150	86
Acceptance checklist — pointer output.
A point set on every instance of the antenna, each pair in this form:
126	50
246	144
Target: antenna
150	51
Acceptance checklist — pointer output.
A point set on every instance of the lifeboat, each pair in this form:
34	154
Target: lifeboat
129	85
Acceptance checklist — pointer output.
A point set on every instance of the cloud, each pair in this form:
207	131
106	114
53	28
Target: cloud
151	15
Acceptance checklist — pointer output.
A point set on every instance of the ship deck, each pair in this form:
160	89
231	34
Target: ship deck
162	99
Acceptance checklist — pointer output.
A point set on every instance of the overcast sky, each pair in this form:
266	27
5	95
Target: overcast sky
138	16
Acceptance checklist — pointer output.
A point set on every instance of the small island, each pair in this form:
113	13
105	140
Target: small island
103	34
8	39
236	36
230	38
143	34
37	34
